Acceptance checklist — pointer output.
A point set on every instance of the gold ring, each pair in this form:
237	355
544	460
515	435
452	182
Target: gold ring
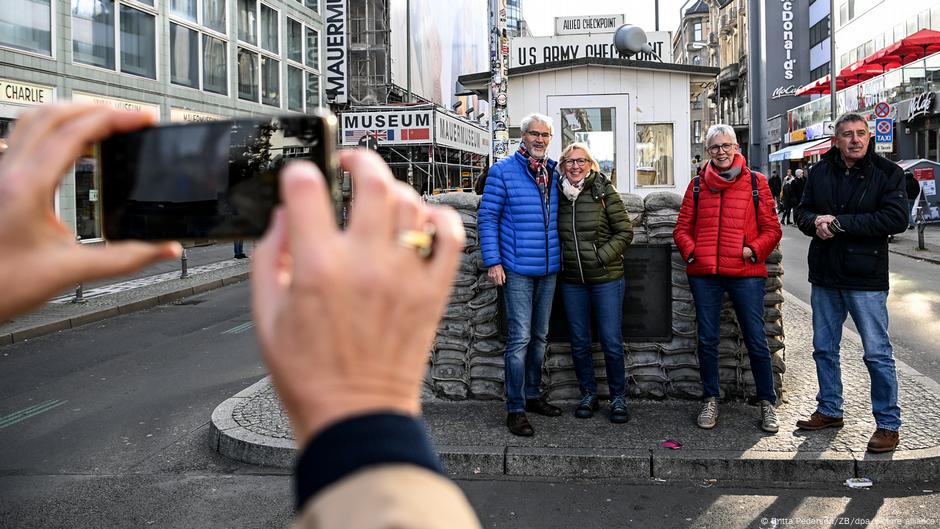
421	241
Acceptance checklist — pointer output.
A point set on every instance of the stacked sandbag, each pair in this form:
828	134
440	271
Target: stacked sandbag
636	210
662	210
467	355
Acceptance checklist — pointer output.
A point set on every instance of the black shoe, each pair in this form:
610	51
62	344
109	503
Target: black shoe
587	406
618	411
541	407
241	256
518	424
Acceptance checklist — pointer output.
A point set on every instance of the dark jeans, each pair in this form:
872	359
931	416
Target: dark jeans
747	295
239	248
606	300
528	309
785	219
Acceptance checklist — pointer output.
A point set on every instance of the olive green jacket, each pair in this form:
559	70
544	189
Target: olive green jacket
595	230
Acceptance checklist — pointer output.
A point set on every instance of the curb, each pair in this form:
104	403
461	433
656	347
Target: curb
126	307
232	440
913	255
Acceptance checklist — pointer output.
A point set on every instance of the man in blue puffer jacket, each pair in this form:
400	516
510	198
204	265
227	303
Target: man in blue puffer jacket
519	237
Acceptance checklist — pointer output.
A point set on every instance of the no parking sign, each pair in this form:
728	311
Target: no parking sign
884	135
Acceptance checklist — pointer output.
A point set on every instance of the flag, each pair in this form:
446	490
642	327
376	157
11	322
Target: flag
416	134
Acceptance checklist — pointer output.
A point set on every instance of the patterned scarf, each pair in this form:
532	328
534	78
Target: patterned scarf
539	168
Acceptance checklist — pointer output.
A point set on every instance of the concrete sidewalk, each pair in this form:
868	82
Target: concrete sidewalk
473	440
906	244
209	267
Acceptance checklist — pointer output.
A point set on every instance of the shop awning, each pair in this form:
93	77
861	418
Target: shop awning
819	148
795	152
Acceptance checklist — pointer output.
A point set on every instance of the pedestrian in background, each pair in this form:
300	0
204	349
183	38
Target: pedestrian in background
776	187
853	201
594	229
725	236
518	223
786	200
239	247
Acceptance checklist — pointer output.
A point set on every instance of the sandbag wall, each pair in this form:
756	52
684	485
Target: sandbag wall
466	358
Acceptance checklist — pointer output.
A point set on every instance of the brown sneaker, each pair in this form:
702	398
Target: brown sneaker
541	407
818	421
518	424
883	441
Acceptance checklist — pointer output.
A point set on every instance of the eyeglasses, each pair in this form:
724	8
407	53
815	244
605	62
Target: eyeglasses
577	161
727	147
543	135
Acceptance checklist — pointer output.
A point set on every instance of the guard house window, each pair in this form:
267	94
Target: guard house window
93	36
198	51
594	127
654	155
28	26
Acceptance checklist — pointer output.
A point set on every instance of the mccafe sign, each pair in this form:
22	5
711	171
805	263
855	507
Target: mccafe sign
922	105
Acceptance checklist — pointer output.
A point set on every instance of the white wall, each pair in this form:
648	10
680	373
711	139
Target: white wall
872	18
655	96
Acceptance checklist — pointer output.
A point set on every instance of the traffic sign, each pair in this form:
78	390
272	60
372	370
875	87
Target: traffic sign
884	135
882	109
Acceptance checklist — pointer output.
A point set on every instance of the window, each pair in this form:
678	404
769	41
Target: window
93	33
184	56
696	60
295	89
843	61
313	49
313	90
819	32
184	9
197	56
28	27
697	131
138	43
911	25
248	21
654	154
697	32
270	81
935	17
247	75
923	20
269	31
214	65
819	71
93	36
596	128
295	41
312	4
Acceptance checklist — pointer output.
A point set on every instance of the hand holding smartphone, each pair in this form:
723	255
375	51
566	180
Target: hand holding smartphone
207	180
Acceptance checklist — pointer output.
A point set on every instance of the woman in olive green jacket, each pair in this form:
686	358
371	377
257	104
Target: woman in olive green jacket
594	229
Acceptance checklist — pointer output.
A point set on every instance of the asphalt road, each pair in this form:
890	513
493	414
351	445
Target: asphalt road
114	434
913	301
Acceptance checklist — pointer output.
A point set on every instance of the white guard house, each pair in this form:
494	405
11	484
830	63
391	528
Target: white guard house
634	115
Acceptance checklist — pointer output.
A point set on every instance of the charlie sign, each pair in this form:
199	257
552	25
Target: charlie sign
527	51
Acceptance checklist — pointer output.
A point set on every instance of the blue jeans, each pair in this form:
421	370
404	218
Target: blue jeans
869	311
239	247
606	299
528	309
747	295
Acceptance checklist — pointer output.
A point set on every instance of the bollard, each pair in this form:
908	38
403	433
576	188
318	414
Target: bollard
79	292
183	263
921	224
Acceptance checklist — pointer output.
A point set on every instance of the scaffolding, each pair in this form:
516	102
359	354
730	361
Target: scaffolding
369	57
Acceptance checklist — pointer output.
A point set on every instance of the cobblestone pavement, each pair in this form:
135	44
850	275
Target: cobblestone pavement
481	423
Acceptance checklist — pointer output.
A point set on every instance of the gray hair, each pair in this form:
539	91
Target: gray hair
715	130
848	117
533	117
799	172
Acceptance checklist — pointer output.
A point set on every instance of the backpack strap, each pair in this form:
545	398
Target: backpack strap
754	193
695	190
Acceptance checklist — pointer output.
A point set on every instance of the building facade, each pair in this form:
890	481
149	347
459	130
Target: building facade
690	46
181	60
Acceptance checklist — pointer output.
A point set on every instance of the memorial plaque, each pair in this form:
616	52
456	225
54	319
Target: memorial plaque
647	299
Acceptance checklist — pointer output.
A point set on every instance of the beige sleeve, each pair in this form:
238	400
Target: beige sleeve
390	497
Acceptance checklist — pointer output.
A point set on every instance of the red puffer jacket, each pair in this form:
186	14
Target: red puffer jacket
712	239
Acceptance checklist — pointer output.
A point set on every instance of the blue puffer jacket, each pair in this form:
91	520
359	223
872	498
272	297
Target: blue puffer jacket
515	229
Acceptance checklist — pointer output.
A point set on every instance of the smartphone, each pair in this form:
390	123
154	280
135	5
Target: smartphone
207	180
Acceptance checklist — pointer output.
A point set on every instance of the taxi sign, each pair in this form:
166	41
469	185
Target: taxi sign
884	135
882	109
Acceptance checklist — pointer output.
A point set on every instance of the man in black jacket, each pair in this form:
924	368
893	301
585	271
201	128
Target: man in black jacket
853	200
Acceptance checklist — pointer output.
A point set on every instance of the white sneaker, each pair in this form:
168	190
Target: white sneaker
768	417
708	417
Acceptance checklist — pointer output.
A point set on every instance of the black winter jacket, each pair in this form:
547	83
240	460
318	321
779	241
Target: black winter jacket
870	203
593	237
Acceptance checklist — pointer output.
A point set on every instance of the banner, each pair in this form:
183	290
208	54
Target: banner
459	134
387	127
527	51
334	27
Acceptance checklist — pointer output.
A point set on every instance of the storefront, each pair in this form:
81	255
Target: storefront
428	147
633	115
16	97
920	118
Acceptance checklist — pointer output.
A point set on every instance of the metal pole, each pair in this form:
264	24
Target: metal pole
832	61
656	3
408	50
184	264
757	82
79	291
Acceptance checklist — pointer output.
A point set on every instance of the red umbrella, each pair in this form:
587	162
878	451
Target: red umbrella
859	71
915	46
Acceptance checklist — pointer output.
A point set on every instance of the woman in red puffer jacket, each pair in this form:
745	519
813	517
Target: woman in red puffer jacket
726	239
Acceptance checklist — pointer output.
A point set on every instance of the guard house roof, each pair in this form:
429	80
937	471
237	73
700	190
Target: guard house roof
479	83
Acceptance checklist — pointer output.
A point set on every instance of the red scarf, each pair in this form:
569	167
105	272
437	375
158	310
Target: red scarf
538	167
